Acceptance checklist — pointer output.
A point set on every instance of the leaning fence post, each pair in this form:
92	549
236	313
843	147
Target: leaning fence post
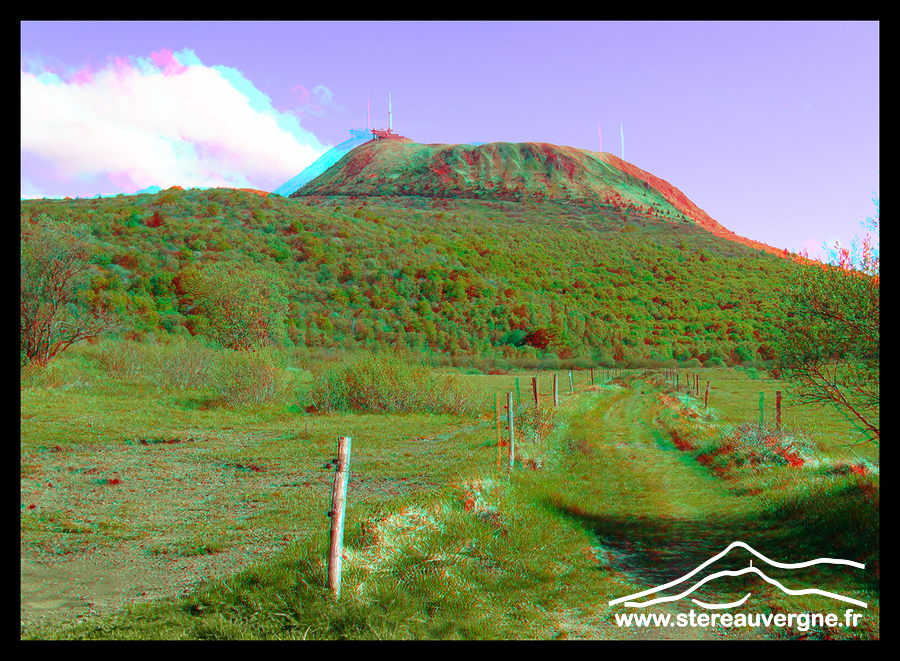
534	385
592	376
338	505
512	435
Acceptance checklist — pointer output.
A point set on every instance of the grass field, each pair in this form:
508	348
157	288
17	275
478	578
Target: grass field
154	509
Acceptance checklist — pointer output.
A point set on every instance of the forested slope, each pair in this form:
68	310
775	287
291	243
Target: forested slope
464	277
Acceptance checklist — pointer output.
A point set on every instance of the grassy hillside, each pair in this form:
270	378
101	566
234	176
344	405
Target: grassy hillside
486	282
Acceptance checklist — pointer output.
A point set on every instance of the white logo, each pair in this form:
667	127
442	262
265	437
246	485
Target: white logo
746	570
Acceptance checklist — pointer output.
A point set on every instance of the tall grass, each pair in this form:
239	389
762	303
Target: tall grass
180	364
390	383
258	377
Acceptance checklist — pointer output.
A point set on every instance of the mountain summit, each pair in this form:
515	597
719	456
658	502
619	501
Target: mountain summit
509	171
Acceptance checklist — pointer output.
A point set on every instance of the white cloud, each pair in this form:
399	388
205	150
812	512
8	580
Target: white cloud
157	121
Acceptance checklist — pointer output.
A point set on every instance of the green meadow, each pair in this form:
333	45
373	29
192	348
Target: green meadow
179	455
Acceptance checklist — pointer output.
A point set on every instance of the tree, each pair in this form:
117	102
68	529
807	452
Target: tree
54	267
830	347
540	338
244	307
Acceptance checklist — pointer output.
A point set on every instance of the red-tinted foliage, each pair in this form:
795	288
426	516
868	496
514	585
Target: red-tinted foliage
155	220
540	338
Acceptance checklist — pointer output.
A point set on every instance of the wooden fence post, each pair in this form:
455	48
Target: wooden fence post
706	398
592	376
518	394
555	390
534	385
778	409
512	435
497	411
338	505
571	383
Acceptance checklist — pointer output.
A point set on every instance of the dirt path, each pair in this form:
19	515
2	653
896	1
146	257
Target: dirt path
667	517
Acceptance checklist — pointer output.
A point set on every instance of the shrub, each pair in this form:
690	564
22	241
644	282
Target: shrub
388	383
63	373
752	373
251	378
181	364
753	444
532	428
639	362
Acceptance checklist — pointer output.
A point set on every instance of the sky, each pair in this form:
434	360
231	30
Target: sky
772	128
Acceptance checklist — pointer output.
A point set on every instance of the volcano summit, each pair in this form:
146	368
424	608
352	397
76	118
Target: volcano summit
510	171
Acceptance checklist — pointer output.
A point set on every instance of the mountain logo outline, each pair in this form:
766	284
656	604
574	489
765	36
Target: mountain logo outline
628	600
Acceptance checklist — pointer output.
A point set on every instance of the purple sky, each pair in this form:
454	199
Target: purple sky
771	128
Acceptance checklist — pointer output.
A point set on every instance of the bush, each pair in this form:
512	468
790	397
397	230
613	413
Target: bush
180	364
388	383
532	428
753	444
62	373
251	378
121	359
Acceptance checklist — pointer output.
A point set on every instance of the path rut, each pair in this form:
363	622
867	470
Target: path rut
670	515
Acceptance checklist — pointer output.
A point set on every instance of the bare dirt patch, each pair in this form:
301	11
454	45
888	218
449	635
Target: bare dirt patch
108	525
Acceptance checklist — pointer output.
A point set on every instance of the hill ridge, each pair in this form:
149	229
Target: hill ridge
511	171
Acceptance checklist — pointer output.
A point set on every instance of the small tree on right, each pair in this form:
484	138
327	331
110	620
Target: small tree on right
830	348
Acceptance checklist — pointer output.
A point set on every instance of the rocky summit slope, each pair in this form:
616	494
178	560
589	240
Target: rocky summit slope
510	171
319	166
